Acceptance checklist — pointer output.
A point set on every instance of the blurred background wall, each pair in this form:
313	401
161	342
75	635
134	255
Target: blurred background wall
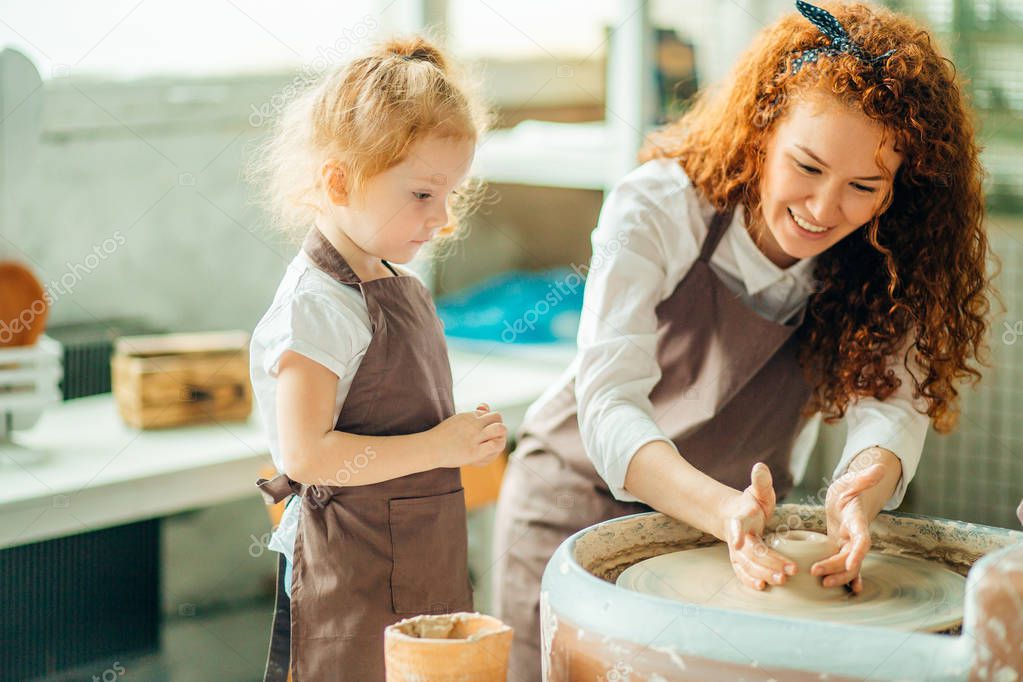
123	185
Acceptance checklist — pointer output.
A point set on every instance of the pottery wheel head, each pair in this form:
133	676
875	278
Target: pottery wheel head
899	592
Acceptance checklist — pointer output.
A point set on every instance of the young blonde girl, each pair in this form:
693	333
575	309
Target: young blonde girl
806	242
350	366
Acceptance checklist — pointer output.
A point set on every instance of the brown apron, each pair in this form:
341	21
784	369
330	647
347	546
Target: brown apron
730	395
367	556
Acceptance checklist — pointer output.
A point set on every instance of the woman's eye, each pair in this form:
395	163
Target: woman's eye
422	196
816	171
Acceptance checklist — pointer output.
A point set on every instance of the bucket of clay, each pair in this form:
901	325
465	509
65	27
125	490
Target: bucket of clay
453	647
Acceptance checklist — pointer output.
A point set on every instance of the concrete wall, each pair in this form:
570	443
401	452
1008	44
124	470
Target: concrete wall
128	197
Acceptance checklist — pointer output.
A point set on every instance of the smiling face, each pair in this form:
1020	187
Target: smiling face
398	210
820	181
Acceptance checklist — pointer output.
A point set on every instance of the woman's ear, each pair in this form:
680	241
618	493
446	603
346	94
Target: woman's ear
336	181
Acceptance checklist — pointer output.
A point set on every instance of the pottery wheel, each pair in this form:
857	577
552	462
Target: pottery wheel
898	592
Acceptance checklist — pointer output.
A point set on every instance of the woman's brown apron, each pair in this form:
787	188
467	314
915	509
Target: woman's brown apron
730	395
367	556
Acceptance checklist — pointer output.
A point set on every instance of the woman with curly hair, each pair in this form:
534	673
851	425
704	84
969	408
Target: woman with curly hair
805	243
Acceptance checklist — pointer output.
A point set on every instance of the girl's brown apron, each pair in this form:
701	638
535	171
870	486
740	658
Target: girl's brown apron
367	556
730	395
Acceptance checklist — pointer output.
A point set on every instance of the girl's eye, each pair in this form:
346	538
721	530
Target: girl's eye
864	188
808	169
422	196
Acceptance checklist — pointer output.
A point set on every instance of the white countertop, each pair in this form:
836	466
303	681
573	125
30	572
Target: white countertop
80	468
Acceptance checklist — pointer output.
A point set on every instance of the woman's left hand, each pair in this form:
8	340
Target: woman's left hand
848	525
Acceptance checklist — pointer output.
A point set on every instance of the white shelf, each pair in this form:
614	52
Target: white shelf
542	153
586	155
80	468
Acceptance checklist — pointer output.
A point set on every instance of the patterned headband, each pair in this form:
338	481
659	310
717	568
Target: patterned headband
841	43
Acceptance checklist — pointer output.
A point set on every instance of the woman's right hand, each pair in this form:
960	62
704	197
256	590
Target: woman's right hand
470	437
744	517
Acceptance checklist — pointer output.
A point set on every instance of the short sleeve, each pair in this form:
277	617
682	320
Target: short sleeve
316	326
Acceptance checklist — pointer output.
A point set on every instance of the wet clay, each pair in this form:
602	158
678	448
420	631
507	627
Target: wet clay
898	591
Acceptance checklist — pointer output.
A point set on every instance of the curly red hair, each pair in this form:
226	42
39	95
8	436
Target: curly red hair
928	309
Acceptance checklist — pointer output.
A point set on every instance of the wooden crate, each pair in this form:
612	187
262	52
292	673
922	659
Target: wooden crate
173	379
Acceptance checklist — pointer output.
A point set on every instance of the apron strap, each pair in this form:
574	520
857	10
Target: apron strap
278	657
321	252
718	224
277	488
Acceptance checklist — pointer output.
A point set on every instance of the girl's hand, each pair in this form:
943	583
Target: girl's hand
470	437
482	409
744	518
848	525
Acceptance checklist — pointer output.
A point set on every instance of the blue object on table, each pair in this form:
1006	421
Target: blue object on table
517	307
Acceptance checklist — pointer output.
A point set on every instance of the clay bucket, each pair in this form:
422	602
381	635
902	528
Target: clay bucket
454	647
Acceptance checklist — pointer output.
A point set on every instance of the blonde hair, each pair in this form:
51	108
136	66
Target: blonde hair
365	115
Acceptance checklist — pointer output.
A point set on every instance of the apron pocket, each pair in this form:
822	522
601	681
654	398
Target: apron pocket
430	572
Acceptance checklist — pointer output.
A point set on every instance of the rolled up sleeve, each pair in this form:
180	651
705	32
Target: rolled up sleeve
633	244
897	424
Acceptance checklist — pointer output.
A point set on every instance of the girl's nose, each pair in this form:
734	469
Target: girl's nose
438	220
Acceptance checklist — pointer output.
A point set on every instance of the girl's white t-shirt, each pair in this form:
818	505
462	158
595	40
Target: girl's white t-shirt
324	320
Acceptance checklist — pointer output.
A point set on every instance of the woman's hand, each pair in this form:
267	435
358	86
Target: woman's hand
469	437
848	525
745	516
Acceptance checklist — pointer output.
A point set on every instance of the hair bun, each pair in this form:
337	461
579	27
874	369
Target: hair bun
416	48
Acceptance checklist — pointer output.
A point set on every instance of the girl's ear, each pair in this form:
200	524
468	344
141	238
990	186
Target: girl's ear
336	181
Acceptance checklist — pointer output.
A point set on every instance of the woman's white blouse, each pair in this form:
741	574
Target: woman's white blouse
648	235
